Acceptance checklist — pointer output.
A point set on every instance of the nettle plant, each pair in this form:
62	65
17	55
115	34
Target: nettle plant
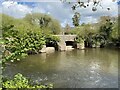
19	81
17	45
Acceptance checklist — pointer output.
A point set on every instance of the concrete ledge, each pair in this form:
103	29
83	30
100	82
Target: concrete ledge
69	48
43	50
47	49
50	49
80	46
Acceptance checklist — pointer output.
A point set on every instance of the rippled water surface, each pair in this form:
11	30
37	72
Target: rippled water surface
89	68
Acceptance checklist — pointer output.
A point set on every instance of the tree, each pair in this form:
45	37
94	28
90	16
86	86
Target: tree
106	28
20	24
19	40
45	22
76	19
67	29
6	20
104	19
115	35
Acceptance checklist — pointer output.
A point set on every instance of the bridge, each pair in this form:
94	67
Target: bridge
67	42
62	44
64	40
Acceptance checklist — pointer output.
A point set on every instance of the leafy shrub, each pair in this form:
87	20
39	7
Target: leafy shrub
20	44
51	39
19	81
79	39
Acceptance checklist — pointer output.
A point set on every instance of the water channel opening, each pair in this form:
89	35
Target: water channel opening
71	43
52	44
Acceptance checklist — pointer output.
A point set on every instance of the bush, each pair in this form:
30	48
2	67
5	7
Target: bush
19	81
19	44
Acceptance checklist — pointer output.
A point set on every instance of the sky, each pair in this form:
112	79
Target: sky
57	9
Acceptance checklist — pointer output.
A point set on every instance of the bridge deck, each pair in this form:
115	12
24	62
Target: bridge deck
67	37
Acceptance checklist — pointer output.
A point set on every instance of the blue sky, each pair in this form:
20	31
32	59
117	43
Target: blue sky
57	9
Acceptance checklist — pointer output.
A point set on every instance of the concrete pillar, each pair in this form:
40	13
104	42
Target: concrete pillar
80	46
47	49
43	50
62	46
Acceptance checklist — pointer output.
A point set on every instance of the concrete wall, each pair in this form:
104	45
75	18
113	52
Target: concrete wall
80	46
47	49
62	44
66	37
63	38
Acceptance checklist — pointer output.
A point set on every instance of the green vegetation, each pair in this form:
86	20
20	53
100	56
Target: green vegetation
19	45
22	37
76	19
48	24
67	29
19	81
103	33
25	36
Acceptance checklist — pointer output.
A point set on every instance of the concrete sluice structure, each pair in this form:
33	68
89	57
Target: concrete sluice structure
62	45
66	43
69	48
47	49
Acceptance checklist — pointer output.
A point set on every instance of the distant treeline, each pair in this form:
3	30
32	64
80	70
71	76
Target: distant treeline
104	33
24	36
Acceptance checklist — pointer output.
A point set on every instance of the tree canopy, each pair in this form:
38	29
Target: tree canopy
44	21
25	36
34	22
76	19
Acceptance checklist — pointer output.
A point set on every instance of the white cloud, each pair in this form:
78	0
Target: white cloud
55	9
87	15
14	9
89	19
60	11
9	3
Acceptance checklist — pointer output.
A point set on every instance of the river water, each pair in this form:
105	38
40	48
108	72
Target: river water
89	68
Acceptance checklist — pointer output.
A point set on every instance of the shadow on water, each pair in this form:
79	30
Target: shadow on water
89	68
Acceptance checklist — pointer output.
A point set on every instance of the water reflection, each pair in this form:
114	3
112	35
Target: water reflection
89	68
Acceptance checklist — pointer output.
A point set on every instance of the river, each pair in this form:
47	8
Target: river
89	68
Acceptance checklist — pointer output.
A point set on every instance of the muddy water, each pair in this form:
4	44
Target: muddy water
89	68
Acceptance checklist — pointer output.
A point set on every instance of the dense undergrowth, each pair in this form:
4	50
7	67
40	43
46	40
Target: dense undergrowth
19	81
18	45
19	39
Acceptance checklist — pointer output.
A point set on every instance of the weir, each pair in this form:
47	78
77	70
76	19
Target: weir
66	43
62	46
